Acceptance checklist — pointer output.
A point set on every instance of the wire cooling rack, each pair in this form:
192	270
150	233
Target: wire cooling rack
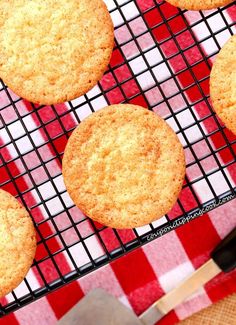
161	60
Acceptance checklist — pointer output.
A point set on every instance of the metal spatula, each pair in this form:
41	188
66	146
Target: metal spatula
100	308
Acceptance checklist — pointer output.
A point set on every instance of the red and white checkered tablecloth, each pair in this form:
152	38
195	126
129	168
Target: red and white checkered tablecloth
144	275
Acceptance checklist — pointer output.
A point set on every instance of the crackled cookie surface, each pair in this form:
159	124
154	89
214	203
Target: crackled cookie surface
124	166
17	243
54	51
199	4
223	84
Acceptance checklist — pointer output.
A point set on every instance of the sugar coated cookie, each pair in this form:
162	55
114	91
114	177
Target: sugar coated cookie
54	51
223	84
124	166
17	243
199	4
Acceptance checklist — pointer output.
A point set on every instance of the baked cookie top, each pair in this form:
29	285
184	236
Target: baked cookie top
223	84
124	166
199	4
54	51
17	243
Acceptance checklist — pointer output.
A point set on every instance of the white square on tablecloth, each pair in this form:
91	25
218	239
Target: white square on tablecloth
16	129
146	80
216	23
117	18
218	182
29	123
201	31
193	133
79	255
110	4
24	145
83	111
37	138
4	136
143	230
54	206
210	46
59	182
120	2
99	103
171	279
203	191
161	72
185	118
223	37
159	222
78	101
130	10
47	191
153	56
172	123
94	246
93	92
67	200
138	65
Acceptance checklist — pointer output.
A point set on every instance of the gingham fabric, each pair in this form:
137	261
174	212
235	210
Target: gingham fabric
144	275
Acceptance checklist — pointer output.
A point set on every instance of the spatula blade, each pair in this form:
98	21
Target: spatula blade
100	308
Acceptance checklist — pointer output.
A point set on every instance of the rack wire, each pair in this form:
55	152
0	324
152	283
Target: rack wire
152	65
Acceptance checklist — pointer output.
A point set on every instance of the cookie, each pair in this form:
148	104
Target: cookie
17	243
199	4
223	84
54	51
124	166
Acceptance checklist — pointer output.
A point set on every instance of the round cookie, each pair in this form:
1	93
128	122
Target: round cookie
223	84
199	4
17	243
54	51
124	166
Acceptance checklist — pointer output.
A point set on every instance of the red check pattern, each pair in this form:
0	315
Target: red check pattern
144	275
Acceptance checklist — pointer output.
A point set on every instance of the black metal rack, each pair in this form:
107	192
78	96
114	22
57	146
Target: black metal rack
33	139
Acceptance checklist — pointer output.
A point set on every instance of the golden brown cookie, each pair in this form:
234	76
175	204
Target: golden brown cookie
223	84
124	166
54	51
17	243
199	4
